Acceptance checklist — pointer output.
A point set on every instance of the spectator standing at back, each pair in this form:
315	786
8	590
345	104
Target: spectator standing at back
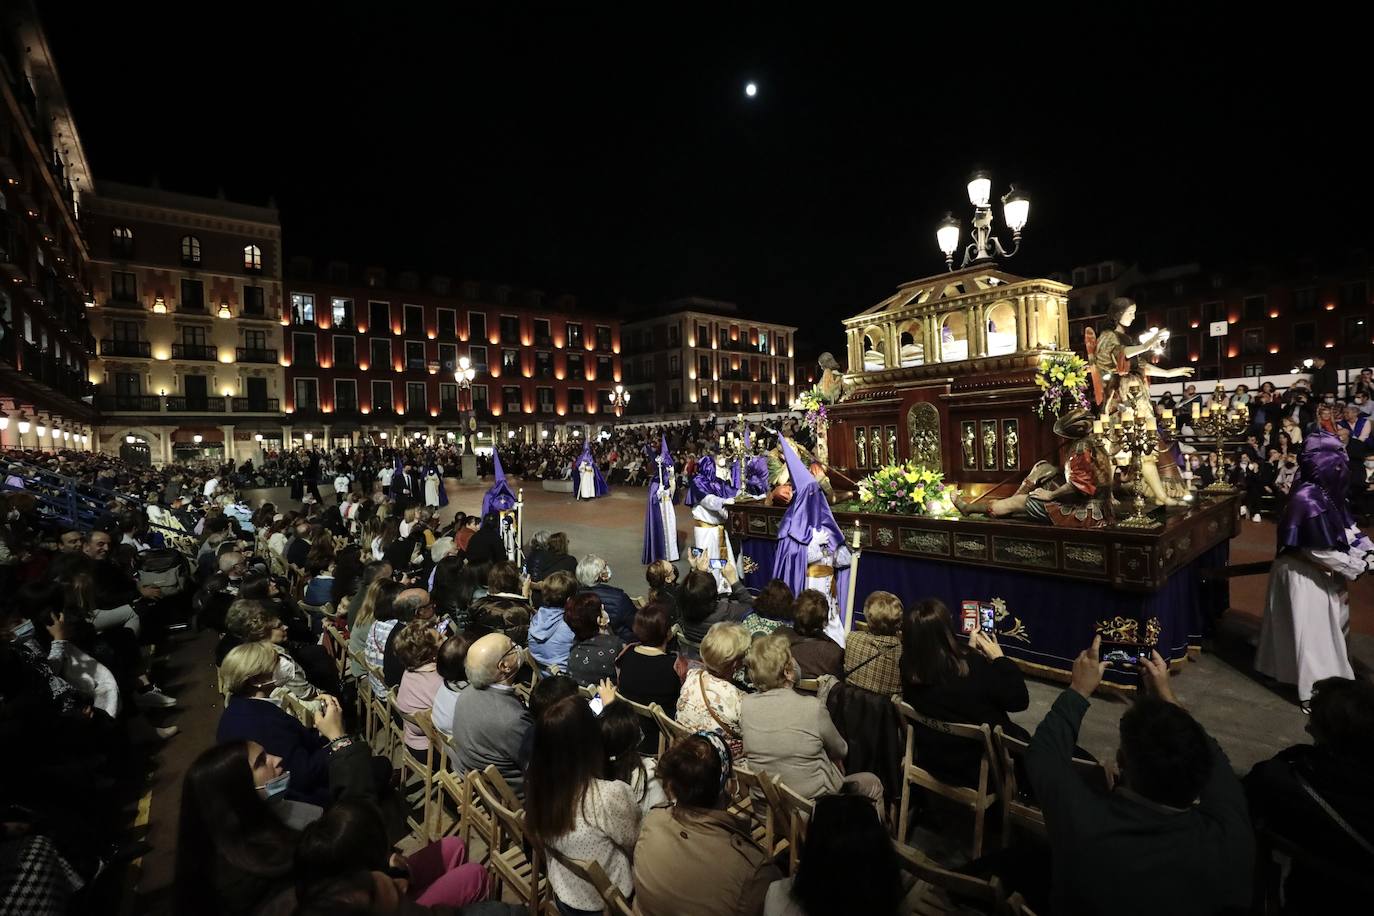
1176	823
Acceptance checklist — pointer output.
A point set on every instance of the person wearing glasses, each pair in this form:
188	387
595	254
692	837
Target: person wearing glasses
489	721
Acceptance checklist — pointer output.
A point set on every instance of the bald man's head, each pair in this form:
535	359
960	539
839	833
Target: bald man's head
412	603
493	659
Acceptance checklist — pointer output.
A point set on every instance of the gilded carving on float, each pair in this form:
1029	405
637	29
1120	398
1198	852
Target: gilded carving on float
923	432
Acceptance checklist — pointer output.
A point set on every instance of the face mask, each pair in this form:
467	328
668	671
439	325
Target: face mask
23	631
276	786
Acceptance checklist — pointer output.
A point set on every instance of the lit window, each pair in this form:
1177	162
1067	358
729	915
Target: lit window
252	257
122	241
190	249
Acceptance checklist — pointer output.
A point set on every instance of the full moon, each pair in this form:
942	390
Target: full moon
751	89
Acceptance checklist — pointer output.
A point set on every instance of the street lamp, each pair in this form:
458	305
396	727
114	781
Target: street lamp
464	375
23	422
197	438
620	399
985	246
4	421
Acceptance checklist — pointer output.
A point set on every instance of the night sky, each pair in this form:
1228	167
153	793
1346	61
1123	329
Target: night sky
617	157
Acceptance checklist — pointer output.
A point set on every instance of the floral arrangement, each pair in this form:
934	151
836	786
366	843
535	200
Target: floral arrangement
812	402
907	489
1063	381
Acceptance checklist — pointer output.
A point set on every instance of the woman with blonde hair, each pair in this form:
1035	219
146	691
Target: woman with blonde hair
872	659
709	699
382	589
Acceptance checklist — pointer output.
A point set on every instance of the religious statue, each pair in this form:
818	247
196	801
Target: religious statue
989	445
1010	441
831	385
1121	380
970	447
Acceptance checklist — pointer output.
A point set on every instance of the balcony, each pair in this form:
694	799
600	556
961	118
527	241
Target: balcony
255	355
346	410
417	410
135	348
52	372
195	351
117	301
256	405
133	403
181	404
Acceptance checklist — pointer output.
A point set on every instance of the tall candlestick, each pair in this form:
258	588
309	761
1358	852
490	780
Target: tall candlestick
722	442
1097	426
856	534
1195	409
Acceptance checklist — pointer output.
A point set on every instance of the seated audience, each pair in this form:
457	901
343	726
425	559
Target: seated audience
381	593
505	608
1300	792
703	606
814	652
648	674
572	811
595	649
489	721
550	638
417	646
844	837
772	609
411	604
710	698
594	576
947	680
663	587
622	733
1176	823
790	734
695	858
872	658
451	666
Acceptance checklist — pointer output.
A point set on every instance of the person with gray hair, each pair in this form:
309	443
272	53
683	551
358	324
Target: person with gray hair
594	575
489	721
411	604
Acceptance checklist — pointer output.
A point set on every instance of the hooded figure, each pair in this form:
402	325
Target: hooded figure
587	480
434	487
1307	612
499	496
811	549
660	522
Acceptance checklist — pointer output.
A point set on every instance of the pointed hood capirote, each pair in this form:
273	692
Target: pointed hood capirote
499	496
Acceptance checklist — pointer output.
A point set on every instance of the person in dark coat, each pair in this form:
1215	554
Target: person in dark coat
487	545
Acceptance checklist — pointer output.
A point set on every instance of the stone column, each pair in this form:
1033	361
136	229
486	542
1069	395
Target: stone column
328	442
1022	340
1063	305
286	437
165	437
228	432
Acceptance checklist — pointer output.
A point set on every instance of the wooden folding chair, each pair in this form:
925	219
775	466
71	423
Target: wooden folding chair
592	873
751	803
671	730
977	799
946	890
792	813
421	766
1017	806
379	712
293	704
646	713
515	862
809	685
337	648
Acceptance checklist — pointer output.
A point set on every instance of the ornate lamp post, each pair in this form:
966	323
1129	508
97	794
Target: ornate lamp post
620	399
985	246
464	375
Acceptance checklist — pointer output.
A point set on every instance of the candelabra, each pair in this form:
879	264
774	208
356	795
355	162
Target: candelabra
620	399
1130	437
1219	424
732	445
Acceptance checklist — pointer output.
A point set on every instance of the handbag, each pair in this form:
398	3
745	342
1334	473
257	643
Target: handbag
729	732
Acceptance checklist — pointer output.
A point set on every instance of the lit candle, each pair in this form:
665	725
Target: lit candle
1207	411
722	442
520	495
1195	409
856	534
1127	415
1168	414
1097	426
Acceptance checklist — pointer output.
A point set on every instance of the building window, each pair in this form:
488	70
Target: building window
341	311
477	327
379	317
345	352
448	397
577	400
544	398
448	357
416	401
510	329
703	337
255	340
1305	300
603	368
254	303
478	357
192	296
1356	330
543	364
122	242
574	335
123	286
1253	308
345	394
307	394
128	384
675	397
1213	311
415	355
1252	341
447	321
674	367
479	398
381	397
190	250
510	360
542	334
302	308
1355	295
703	367
1253	370
380	354
252	258
603	338
124	330
674	334
1304	335
576	369
510	399
303	351
415	320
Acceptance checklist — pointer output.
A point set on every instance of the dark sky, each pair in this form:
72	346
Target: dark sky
615	155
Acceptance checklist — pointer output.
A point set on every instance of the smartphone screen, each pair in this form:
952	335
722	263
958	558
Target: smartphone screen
595	704
696	552
443	626
717	564
1123	656
987	617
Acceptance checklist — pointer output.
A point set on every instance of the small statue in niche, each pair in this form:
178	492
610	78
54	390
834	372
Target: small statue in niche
1010	441
970	461
861	447
990	446
892	445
